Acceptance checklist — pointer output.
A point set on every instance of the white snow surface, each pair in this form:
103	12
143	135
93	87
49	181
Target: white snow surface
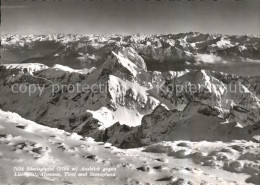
24	143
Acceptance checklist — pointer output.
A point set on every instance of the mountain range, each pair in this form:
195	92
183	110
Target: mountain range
138	77
148	100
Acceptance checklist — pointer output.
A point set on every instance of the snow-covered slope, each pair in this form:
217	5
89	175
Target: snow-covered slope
27	148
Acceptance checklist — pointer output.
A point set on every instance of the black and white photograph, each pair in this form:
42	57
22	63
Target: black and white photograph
130	92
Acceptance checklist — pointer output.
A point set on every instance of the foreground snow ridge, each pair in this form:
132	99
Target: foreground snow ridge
24	143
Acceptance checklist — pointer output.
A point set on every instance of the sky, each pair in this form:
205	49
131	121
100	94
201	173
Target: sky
130	16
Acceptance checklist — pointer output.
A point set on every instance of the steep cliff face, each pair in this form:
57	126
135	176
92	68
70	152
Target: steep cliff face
197	122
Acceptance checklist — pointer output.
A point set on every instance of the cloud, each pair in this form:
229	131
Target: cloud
209	59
